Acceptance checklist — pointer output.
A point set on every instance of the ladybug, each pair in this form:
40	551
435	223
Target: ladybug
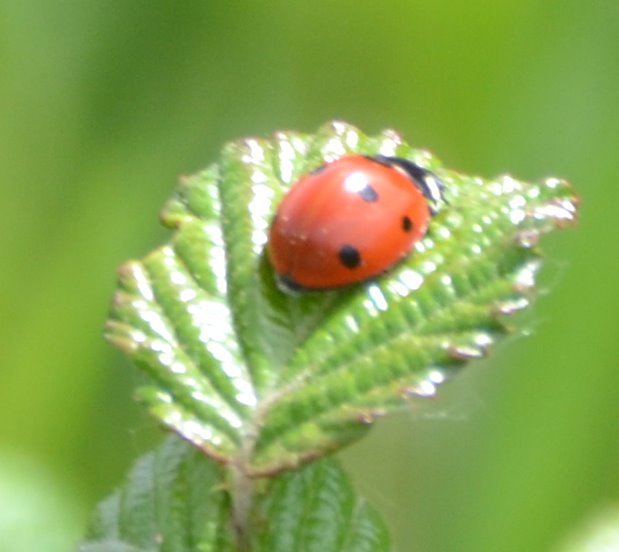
350	220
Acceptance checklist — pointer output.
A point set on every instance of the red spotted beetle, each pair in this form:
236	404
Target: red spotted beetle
350	220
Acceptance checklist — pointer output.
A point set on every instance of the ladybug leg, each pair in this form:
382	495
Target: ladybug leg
288	284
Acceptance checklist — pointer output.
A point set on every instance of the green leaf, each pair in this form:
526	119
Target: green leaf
172	501
315	510
266	380
175	500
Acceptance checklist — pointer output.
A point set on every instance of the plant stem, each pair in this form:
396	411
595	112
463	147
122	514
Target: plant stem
242	492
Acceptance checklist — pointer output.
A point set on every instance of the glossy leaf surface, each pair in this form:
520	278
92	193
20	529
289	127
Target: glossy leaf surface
175	501
268	380
172	500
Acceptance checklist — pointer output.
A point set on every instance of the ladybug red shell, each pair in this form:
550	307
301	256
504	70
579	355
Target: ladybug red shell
350	220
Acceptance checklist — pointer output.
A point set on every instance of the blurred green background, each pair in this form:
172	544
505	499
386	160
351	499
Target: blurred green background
104	103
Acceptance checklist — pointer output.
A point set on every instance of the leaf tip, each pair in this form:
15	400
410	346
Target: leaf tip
122	342
370	416
511	306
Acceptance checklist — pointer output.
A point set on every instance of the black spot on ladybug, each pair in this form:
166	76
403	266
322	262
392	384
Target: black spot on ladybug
407	224
318	170
349	256
368	194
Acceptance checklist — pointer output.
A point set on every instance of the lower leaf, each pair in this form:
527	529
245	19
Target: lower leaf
176	499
